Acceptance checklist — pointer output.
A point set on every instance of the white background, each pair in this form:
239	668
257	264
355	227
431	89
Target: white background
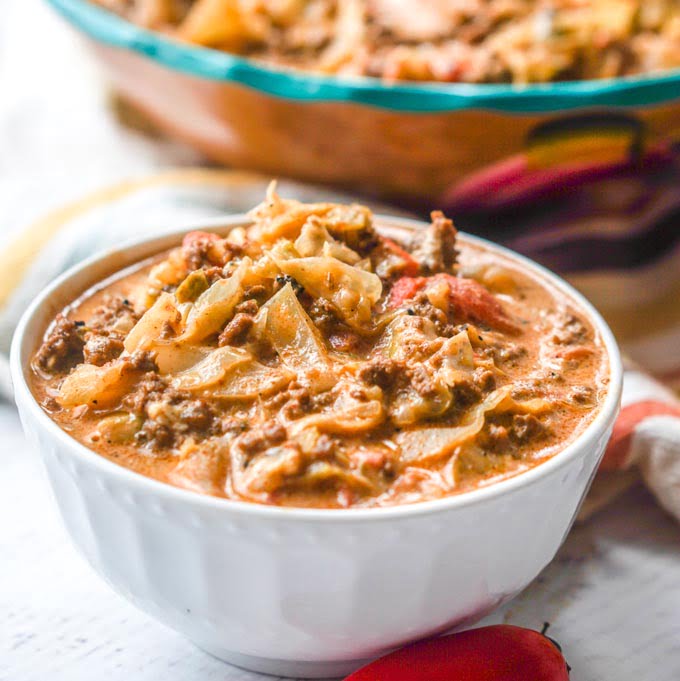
612	595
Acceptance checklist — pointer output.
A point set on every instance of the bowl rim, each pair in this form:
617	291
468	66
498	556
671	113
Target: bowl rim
602	422
292	84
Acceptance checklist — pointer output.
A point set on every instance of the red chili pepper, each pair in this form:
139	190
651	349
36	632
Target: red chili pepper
496	653
470	301
411	268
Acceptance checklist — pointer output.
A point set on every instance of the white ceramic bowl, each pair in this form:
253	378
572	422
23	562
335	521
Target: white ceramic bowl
303	592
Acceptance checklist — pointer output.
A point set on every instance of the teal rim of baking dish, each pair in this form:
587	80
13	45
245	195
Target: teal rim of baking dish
108	28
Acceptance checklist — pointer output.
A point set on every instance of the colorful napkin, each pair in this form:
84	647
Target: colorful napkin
641	301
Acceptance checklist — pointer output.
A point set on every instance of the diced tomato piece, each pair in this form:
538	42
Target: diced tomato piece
411	268
470	301
405	289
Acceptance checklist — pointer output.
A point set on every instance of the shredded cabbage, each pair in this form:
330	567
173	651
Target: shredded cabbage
172	357
320	473
150	327
454	360
314	240
347	415
226	23
426	444
257	477
408	407
214	307
95	386
192	287
352	291
405	332
251	380
536	405
211	369
202	466
278	218
119	427
296	340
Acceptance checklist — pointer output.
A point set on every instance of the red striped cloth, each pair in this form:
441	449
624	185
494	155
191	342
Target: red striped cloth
647	435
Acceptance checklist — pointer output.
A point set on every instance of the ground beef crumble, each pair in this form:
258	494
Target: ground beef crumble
423	382
526	427
382	372
422	307
465	393
260	438
156	435
569	330
101	348
236	331
116	314
204	250
198	415
434	248
323	314
150	387
167	423
63	347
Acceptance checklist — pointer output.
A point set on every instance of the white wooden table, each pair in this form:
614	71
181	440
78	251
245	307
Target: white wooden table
612	595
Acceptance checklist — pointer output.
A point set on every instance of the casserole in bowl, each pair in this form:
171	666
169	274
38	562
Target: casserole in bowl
308	591
401	139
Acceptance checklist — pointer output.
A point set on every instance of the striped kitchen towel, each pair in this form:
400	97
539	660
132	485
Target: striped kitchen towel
641	302
647	435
